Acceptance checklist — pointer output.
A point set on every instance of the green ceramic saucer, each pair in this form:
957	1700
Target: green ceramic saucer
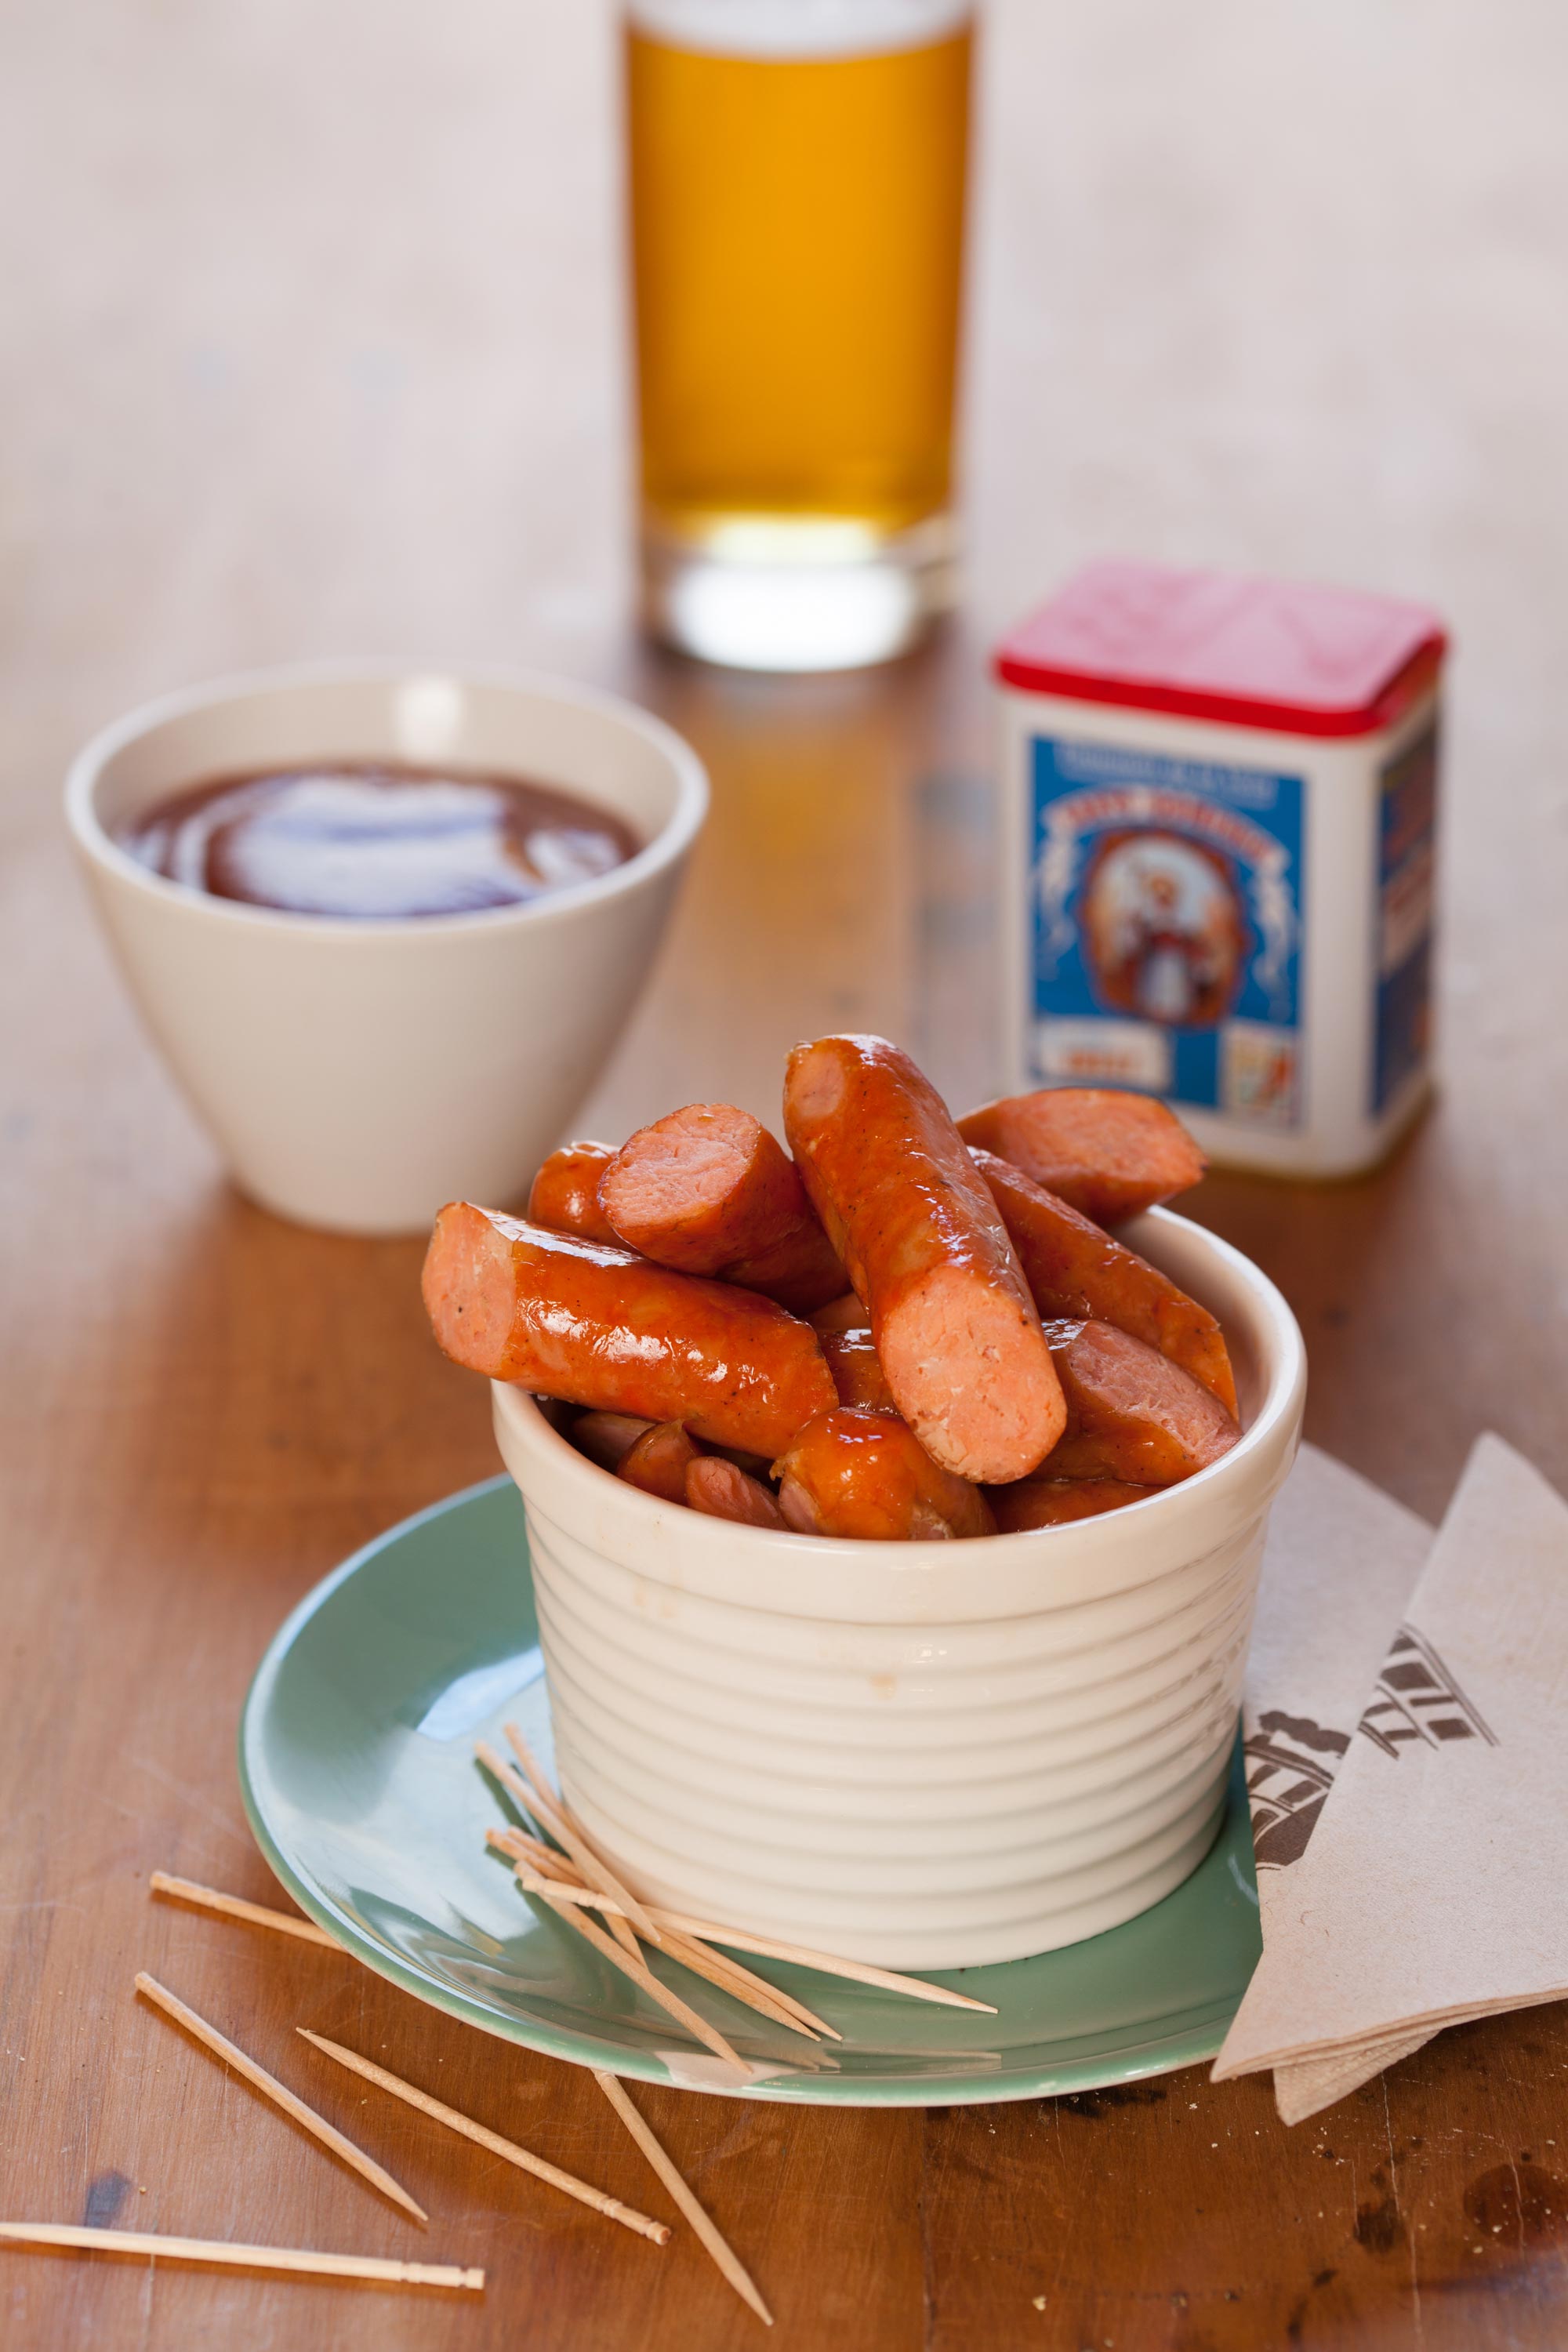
357	1758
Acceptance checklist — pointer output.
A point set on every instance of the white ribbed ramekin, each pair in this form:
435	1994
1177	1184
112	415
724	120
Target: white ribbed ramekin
929	1755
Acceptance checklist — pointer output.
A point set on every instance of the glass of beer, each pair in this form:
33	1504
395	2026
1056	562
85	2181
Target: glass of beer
796	180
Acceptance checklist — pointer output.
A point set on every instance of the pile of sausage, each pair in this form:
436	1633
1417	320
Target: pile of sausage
913	1327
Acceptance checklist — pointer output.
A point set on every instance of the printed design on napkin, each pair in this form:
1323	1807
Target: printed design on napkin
1418	1698
1291	1764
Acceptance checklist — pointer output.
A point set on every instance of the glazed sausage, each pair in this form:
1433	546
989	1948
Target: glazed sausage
1074	1269
1054	1502
708	1191
857	1472
595	1326
606	1437
857	1367
718	1489
845	1314
659	1462
1131	1413
1107	1154
565	1195
909	1212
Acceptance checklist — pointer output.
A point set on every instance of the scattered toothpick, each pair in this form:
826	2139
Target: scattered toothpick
567	1831
545	1873
234	1906
770	1947
535	1801
774	1947
279	2093
586	2194
743	1985
643	1976
740	1983
723	2252
298	2263
518	1846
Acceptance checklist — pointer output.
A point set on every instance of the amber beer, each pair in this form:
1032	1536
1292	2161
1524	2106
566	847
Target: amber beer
797	177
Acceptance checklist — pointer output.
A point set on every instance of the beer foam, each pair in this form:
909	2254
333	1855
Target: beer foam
798	28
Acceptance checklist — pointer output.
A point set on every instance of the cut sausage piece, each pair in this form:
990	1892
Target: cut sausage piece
856	1472
857	1367
1109	1154
909	1212
1074	1268
659	1462
606	1437
721	1491
756	1465
1054	1502
709	1191
597	1327
565	1194
1131	1413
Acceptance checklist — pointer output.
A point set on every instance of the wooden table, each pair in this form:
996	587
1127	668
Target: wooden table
314	346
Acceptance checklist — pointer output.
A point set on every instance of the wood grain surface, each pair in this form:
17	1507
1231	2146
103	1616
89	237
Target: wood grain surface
312	344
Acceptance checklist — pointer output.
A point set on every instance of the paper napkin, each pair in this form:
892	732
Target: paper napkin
1430	1888
1340	1562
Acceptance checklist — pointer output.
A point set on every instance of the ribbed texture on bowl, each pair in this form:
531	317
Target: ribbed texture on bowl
930	1755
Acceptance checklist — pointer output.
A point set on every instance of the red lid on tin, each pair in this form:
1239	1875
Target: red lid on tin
1213	645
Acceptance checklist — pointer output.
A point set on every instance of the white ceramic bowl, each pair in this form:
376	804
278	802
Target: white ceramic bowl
358	1074
928	1755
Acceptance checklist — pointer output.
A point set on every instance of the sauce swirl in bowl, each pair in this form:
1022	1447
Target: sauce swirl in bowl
374	840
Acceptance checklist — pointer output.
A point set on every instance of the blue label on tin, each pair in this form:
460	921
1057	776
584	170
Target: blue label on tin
1165	928
1406	867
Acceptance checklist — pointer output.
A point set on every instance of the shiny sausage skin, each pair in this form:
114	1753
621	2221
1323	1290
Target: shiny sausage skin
859	1473
909	1215
1074	1268
857	1367
1131	1413
597	1327
708	1191
659	1462
1105	1153
845	1314
606	1437
1054	1502
720	1491
565	1194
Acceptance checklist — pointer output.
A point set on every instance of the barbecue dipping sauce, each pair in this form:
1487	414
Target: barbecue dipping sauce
361	838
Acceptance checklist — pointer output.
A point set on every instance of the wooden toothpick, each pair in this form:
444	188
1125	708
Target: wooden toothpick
611	2207
723	2252
297	2262
770	1947
234	1906
642	1976
780	2009
544	1860
738	1982
279	2093
535	1801
565	1826
808	2018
